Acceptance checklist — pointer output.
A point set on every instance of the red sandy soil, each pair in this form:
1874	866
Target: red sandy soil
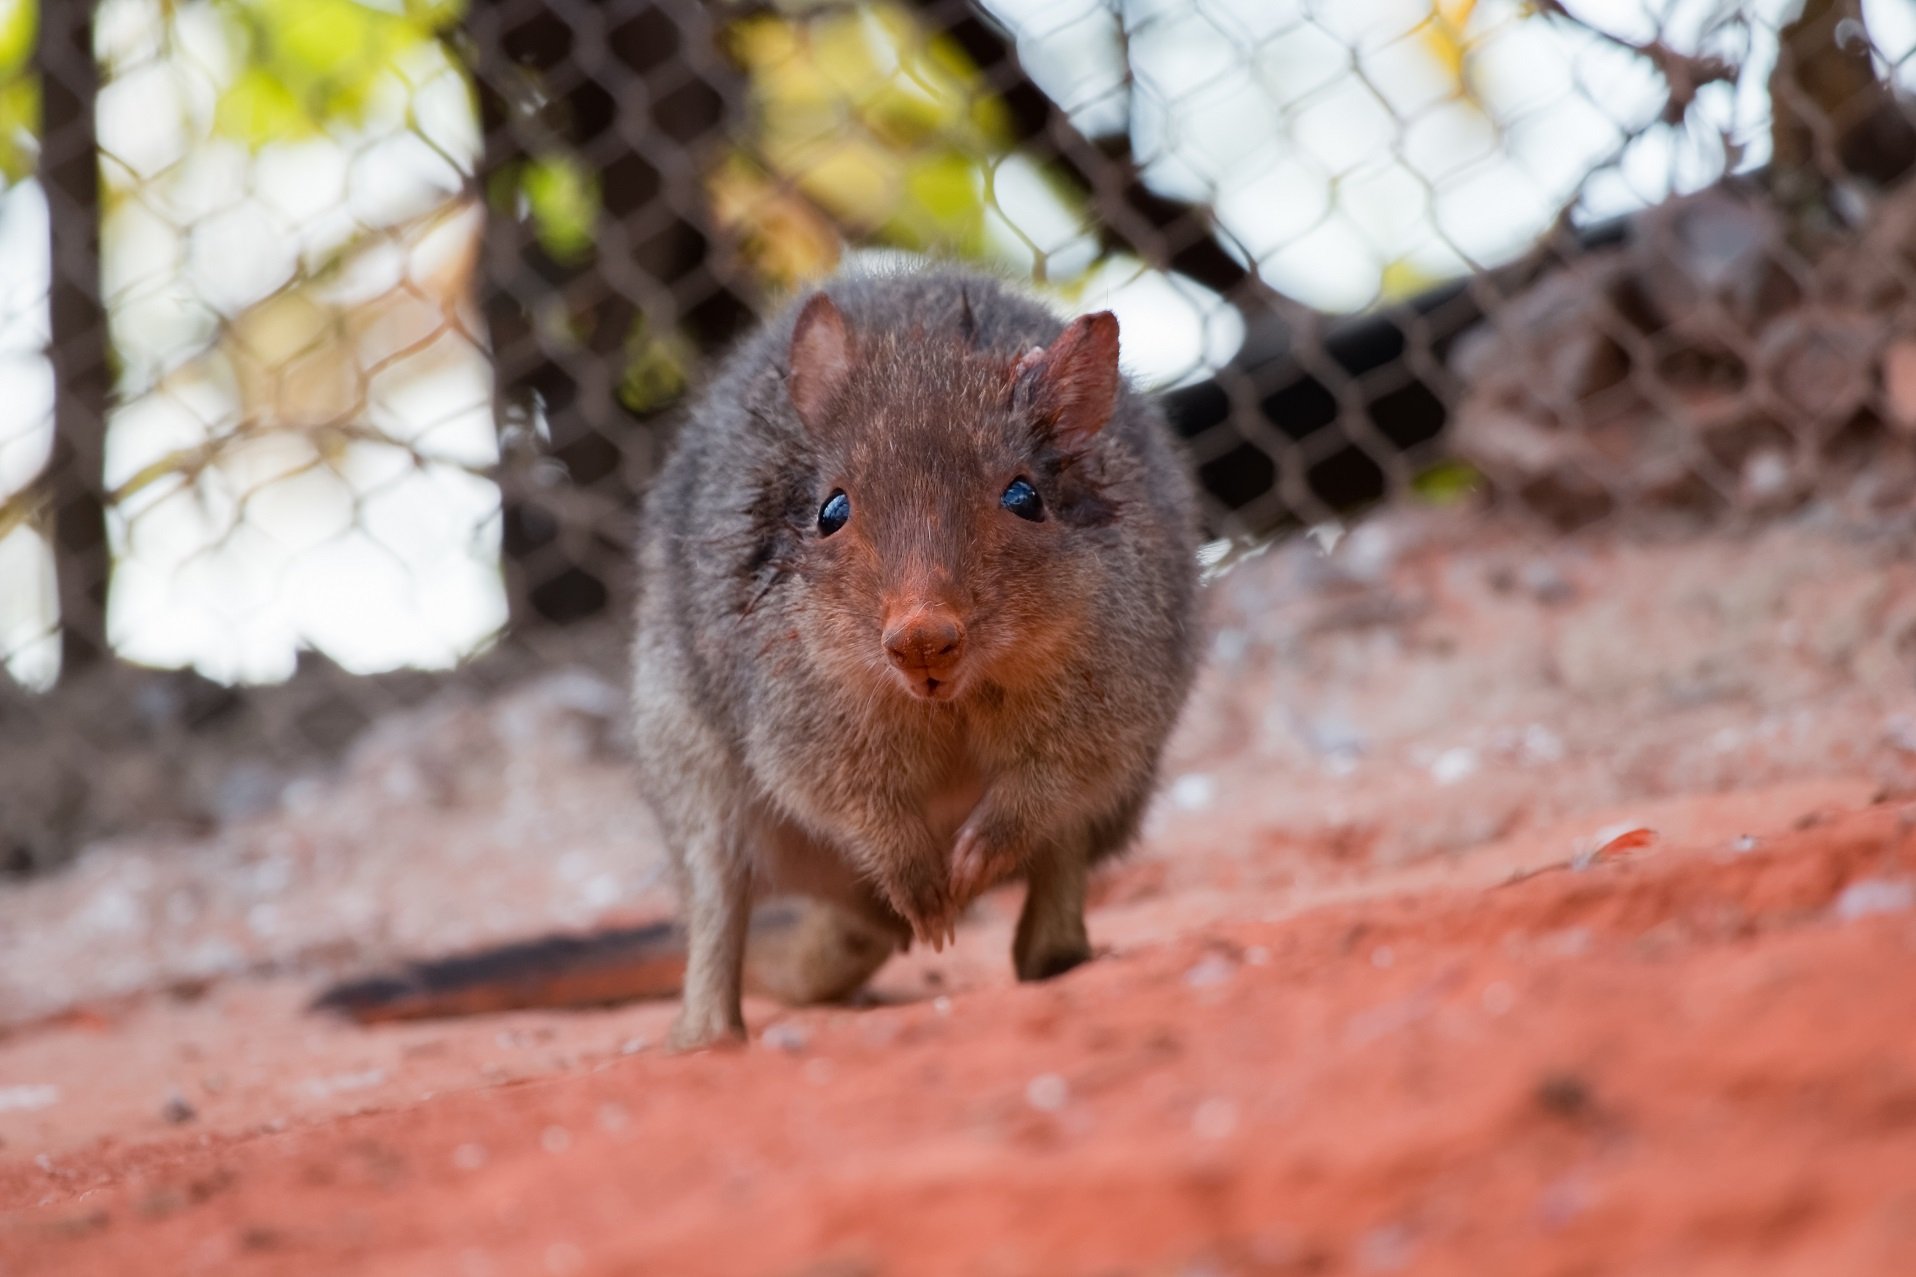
1510	911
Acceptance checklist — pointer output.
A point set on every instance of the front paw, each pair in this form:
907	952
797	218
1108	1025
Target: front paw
701	1029
923	900
979	861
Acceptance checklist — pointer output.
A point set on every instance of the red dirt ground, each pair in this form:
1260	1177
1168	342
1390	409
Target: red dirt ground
1421	1003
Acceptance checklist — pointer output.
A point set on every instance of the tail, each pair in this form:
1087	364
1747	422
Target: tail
603	969
797	951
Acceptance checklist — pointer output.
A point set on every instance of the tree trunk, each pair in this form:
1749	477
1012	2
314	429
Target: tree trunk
665	97
70	171
1831	117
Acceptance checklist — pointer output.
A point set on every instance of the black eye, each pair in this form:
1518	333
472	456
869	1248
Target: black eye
1023	500
833	514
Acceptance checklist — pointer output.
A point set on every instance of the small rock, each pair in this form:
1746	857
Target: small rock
1215	1119
1047	1092
177	1111
1900	733
1545	583
1565	1095
1212	971
1767	478
1871	897
1819	362
787	1037
1453	765
1385	1250
25	1099
1541	745
1193	792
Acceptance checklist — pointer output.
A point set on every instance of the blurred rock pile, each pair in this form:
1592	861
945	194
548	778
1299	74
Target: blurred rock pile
1725	354
169	753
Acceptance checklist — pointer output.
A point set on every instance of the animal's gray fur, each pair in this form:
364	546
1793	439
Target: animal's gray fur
777	747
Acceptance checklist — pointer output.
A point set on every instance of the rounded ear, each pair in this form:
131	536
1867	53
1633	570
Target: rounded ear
821	360
1072	384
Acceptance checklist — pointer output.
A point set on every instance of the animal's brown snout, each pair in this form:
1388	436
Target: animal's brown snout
926	644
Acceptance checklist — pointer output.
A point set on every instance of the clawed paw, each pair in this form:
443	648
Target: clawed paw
977	864
929	909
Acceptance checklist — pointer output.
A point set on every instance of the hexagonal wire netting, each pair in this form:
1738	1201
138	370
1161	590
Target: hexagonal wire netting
340	335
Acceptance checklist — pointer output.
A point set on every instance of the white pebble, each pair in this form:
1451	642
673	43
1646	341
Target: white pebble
1193	792
1047	1093
555	1139
25	1099
469	1157
1454	765
1541	745
1870	897
1215	1119
1214	970
786	1037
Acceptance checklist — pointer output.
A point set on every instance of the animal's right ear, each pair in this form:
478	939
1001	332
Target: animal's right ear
821	360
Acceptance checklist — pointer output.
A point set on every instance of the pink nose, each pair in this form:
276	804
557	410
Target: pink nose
926	643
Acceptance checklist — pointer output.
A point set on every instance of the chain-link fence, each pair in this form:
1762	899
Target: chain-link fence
339	336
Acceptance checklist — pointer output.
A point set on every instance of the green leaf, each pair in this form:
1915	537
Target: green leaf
1446	483
657	369
943	205
563	196
19	122
309	66
437	15
19	25
258	108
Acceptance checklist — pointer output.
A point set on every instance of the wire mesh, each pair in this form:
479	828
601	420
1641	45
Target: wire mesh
341	336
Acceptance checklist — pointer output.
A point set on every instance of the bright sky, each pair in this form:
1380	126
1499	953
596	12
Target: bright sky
1324	134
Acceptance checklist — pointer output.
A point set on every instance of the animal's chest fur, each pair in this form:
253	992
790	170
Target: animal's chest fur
958	762
952	795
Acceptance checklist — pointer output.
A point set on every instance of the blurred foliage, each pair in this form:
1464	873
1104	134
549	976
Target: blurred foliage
785	236
862	120
657	368
1447	483
1402	278
308	66
563	199
19	89
1444	35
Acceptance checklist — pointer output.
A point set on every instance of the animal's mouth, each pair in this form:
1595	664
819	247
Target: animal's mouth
937	689
927	687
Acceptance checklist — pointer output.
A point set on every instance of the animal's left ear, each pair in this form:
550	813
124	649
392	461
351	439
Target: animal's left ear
1071	386
821	361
